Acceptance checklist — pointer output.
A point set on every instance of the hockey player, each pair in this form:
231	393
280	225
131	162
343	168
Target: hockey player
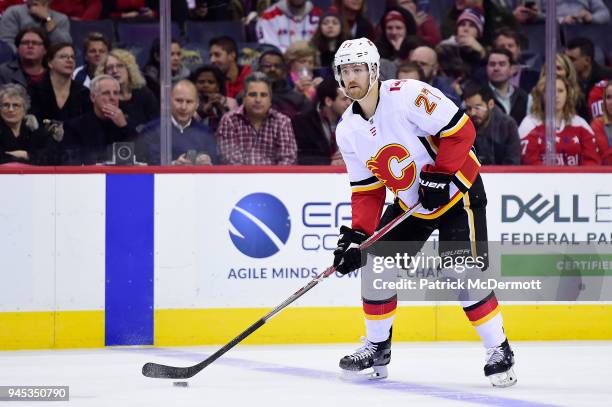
406	136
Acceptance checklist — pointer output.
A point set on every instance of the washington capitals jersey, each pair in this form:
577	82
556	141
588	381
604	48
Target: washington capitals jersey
414	125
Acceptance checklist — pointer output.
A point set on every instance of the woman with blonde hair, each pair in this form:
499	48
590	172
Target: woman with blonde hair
575	140
602	126
301	61
136	99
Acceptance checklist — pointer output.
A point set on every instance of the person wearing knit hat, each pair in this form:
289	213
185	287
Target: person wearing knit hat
468	31
398	34
474	17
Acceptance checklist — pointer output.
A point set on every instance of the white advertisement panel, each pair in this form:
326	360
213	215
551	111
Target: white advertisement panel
549	208
250	240
52	242
27	242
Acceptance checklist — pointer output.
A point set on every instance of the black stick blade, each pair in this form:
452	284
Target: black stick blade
167	372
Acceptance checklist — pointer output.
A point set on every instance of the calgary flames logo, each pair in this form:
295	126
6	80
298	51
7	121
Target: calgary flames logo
392	166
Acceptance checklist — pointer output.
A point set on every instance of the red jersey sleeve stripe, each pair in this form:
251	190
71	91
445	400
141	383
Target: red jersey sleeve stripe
367	208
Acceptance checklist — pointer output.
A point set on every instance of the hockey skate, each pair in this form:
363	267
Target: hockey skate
368	362
498	368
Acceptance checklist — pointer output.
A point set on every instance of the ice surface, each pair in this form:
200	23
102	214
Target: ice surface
421	374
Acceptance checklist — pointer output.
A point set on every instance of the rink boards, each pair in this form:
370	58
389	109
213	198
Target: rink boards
134	258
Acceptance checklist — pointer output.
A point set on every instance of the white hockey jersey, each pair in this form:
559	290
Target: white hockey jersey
414	125
278	27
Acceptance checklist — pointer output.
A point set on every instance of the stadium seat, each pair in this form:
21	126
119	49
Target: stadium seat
79	30
376	9
195	54
438	9
6	53
138	38
323	4
139	33
202	32
536	34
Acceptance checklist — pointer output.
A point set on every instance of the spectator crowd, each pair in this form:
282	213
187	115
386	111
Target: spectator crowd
255	85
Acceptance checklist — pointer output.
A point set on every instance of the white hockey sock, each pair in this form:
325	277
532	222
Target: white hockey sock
487	320
377	330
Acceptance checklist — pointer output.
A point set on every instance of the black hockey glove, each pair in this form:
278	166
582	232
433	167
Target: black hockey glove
347	256
433	188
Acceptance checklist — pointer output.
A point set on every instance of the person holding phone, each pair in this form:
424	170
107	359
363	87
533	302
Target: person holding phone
528	11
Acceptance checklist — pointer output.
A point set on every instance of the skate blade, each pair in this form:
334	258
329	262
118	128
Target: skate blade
373	373
504	379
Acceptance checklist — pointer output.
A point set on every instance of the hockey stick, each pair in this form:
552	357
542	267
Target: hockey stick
172	372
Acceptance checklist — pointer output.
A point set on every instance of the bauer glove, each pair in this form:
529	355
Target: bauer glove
433	188
347	256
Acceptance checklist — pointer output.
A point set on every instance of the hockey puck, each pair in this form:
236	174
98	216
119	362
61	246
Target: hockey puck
180	384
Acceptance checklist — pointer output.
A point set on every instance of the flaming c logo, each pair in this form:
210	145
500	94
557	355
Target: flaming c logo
393	167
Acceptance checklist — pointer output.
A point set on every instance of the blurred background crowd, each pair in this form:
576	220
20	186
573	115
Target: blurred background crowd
252	80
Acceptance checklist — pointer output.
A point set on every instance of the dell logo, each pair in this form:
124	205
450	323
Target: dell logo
539	209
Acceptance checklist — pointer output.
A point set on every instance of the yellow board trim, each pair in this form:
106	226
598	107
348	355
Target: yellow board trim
176	327
181	327
51	330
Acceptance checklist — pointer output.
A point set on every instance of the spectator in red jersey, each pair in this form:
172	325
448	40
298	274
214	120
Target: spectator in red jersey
286	22
427	28
602	126
574	141
581	52
28	69
224	55
79	9
256	134
355	20
595	100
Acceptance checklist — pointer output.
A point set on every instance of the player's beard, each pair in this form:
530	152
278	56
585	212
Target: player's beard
357	92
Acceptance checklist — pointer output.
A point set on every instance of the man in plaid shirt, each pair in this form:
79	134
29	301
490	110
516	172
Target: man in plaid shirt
256	134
